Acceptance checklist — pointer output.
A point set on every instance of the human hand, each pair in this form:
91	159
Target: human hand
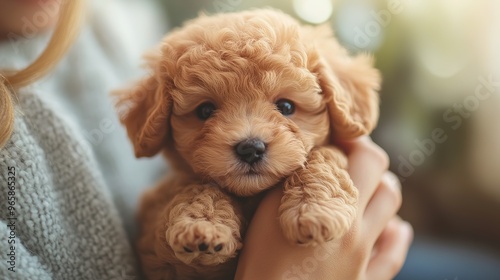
374	248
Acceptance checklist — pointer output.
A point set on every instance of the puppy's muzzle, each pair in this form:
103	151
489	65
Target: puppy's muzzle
250	150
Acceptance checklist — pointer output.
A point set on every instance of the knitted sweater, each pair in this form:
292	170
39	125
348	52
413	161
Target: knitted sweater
72	160
61	223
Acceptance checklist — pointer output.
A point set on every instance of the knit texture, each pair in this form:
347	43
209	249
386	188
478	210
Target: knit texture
67	226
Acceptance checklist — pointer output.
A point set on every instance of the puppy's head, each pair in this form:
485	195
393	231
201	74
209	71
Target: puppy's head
242	98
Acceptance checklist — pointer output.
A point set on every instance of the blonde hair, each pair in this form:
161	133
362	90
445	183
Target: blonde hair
70	17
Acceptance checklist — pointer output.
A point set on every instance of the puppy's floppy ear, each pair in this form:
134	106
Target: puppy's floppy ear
350	85
145	109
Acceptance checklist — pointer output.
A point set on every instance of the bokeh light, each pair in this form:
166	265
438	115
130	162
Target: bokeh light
357	28
313	11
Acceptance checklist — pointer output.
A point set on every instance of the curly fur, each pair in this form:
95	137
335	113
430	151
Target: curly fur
192	224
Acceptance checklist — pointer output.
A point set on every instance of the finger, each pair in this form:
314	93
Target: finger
367	163
391	250
263	229
383	206
266	253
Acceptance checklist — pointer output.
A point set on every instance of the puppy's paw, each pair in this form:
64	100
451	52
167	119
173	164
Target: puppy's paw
202	242
313	223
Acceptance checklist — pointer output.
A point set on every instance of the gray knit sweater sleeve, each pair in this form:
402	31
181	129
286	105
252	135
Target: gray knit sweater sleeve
57	218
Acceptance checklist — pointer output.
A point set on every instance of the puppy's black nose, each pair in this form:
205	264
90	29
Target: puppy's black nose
250	150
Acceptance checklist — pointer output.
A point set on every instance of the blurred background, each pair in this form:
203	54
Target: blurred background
440	115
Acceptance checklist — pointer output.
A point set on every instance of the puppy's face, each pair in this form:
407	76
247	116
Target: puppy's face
246	126
242	98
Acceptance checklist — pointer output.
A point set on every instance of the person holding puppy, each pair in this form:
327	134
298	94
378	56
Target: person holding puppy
66	225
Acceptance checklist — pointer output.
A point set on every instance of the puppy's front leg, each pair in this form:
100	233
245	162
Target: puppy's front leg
319	202
202	226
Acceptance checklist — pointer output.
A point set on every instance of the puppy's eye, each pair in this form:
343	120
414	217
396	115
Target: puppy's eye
285	106
205	110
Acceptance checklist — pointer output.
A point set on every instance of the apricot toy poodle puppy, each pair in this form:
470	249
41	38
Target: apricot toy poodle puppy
240	103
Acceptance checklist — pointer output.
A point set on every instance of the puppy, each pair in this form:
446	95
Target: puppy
240	103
